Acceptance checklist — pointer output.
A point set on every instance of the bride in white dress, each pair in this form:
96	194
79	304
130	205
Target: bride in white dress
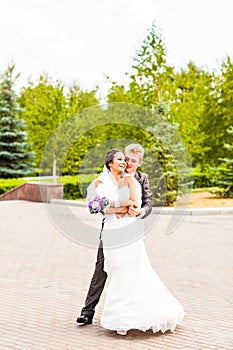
136	298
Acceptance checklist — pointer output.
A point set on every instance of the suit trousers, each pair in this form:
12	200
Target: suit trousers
96	286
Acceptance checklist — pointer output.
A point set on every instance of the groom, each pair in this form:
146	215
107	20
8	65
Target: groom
133	156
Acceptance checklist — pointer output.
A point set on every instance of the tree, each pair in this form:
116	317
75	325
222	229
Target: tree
46	106
151	74
188	108
15	155
152	85
224	173
218	115
150	77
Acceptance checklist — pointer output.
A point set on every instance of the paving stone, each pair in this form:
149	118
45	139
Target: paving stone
45	277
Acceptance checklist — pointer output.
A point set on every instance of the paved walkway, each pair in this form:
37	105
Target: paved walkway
45	276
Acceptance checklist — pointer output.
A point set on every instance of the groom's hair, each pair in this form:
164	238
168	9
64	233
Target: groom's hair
109	156
135	149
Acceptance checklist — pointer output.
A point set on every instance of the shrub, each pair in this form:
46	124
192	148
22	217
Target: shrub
75	190
202	179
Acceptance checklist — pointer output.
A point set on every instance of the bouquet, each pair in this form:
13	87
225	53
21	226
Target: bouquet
98	205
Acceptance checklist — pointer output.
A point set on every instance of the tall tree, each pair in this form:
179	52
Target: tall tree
44	107
150	76
218	115
15	155
188	108
47	105
152	85
224	173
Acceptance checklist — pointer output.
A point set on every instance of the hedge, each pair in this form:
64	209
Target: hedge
75	190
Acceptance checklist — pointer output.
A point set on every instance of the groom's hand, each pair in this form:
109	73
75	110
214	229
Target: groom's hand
134	211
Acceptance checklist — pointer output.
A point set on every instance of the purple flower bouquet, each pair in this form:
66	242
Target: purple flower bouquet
98	205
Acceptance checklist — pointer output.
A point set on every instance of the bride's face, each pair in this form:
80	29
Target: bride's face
118	163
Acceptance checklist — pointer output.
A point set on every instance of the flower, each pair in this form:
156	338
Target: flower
98	205
95	205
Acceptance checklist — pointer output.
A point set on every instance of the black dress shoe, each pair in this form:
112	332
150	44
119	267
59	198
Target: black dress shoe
84	319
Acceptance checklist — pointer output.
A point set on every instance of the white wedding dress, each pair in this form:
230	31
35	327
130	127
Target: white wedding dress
136	298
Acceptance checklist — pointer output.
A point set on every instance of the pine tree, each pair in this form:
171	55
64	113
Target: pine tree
152	77
15	154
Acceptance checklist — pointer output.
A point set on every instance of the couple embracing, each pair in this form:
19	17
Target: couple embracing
136	298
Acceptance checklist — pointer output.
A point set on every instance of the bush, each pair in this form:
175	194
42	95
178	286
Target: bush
75	186
75	190
223	181
202	179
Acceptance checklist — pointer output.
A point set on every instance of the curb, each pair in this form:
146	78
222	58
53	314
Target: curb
162	210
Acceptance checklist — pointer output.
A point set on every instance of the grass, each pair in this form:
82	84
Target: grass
62	179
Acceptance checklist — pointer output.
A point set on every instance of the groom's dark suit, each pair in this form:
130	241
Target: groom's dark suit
100	276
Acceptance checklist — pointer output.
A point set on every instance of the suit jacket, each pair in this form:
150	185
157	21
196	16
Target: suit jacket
142	178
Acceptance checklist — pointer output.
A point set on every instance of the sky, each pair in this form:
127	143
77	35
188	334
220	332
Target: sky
82	41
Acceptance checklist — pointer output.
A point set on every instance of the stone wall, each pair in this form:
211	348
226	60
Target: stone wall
35	192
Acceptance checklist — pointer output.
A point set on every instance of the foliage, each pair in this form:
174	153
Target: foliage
158	162
218	116
224	173
192	102
150	77
8	184
73	191
152	85
200	103
202	179
46	106
188	108
15	155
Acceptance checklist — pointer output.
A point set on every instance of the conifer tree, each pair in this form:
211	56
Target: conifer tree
15	154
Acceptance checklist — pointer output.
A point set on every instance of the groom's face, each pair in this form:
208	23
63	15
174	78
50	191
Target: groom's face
132	162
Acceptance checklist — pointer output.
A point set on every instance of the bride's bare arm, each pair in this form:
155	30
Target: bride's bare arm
134	193
134	204
134	200
122	207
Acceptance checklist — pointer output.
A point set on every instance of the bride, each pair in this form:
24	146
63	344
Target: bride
136	298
